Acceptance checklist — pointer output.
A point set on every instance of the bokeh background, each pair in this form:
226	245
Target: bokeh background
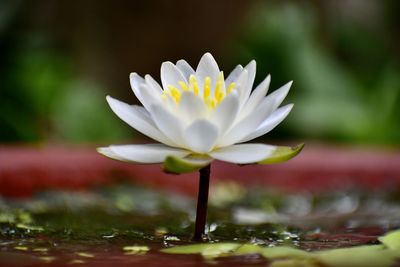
59	59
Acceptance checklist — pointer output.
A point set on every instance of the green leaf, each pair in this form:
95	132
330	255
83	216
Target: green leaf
177	165
360	256
206	250
247	249
391	240
282	154
284	252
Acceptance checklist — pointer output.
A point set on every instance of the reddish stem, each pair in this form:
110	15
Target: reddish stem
202	202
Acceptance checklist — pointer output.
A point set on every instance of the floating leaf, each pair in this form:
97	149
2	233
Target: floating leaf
249	249
207	250
360	256
282	154
391	240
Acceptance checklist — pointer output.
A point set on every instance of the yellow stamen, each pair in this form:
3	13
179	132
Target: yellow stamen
230	87
210	100
207	87
193	84
219	94
184	86
220	79
175	93
211	103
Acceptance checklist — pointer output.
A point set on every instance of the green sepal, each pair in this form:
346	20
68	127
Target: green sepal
282	154
177	165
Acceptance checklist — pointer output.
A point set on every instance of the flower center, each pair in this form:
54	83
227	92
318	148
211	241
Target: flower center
211	96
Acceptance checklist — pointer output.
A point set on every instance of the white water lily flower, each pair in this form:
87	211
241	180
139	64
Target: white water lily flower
198	116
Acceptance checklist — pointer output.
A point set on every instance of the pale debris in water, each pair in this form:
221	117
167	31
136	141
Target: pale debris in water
76	262
135	250
21	248
85	255
47	258
40	249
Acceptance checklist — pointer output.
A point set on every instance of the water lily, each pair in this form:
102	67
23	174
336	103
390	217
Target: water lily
198	116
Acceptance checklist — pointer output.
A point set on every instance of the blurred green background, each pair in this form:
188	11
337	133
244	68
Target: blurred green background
58	60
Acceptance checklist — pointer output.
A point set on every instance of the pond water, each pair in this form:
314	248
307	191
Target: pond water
129	225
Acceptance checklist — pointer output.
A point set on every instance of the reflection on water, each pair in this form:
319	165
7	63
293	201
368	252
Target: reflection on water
127	223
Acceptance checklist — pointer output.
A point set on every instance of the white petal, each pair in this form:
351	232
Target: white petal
225	113
256	97
136	81
148	153
248	124
191	106
144	91
185	68
241	84
201	136
106	151
232	77
277	96
171	75
138	118
207	67
169	124
251	74
270	123
153	84
243	153
148	96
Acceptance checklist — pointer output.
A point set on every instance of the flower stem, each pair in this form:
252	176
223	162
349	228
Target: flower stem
202	201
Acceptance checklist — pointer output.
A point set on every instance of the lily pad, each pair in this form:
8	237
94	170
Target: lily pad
391	240
207	250
360	256
247	249
282	154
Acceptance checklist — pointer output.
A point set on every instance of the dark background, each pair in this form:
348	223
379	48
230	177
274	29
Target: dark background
59	59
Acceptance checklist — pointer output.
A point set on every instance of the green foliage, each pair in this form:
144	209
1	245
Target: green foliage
43	100
82	114
346	80
207	250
